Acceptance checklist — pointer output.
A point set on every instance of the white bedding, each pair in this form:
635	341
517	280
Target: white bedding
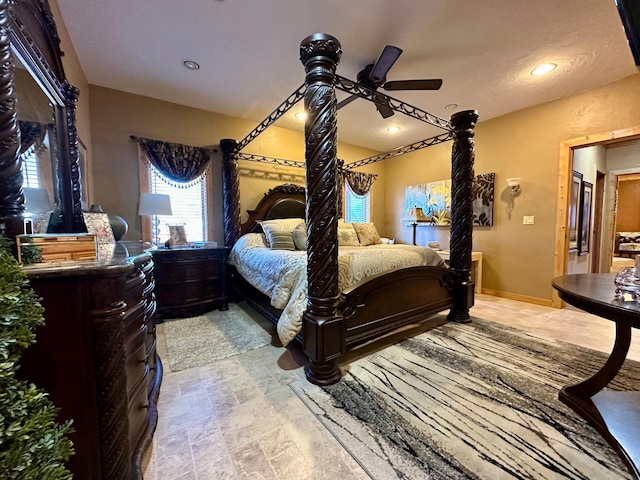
282	274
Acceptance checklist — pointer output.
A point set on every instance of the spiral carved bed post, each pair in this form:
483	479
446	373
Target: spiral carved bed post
230	191
322	324
11	200
462	160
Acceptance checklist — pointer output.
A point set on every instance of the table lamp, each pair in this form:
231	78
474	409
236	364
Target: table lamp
154	204
415	215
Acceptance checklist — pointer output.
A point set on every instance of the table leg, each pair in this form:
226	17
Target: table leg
591	386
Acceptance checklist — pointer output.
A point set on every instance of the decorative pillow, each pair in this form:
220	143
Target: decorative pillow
300	236
367	234
347	236
282	224
279	240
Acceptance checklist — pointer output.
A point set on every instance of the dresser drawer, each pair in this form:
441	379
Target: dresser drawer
139	412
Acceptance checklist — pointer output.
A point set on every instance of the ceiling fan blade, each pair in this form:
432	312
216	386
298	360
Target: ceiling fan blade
383	106
346	102
384	62
427	84
384	110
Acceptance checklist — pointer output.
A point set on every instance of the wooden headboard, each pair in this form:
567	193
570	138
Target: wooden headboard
284	201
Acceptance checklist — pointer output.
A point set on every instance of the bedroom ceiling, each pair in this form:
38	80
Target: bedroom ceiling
249	62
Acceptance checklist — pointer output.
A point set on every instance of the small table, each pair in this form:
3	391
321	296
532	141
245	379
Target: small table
615	415
476	267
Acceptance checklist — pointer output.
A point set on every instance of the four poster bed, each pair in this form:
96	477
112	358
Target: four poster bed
339	315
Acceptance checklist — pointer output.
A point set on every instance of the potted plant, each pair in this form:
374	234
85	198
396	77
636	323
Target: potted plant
32	444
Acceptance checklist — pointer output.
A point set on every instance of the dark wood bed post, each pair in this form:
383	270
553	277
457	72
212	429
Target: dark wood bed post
11	200
322	324
462	160
230	191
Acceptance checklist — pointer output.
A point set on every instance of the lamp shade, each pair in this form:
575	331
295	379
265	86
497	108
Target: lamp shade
36	200
416	215
154	204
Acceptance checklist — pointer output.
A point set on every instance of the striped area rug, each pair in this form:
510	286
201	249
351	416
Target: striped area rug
475	401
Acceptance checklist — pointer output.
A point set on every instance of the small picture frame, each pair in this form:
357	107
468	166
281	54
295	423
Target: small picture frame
40	222
586	199
98	225
177	236
574	211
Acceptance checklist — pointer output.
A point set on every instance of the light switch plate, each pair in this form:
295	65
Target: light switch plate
527	220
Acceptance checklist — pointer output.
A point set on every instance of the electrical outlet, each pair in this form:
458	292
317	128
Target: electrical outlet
527	220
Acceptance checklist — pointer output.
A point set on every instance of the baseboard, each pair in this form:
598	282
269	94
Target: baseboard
521	298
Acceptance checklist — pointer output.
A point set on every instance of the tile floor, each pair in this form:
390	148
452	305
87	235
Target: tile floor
237	418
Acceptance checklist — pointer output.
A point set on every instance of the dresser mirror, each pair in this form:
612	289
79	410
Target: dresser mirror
38	106
37	154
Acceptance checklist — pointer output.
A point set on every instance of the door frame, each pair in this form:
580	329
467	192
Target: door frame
564	187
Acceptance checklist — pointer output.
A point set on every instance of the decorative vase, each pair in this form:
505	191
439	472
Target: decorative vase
119	225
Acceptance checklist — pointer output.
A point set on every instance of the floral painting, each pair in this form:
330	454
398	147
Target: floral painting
435	200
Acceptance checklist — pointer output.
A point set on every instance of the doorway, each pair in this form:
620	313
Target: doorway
606	230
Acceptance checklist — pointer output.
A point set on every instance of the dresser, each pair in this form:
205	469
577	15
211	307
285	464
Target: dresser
190	281
96	356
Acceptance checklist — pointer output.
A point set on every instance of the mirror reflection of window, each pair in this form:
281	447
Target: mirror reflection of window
35	120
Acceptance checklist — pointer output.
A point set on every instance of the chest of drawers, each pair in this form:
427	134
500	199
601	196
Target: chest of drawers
190	281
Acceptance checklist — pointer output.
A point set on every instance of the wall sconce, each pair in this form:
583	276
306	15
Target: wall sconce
415	215
154	204
514	183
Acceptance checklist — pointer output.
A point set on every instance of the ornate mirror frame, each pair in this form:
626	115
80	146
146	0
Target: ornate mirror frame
28	30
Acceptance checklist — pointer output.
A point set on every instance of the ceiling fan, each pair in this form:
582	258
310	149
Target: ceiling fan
374	76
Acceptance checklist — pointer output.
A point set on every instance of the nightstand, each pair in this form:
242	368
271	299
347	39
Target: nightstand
476	267
190	281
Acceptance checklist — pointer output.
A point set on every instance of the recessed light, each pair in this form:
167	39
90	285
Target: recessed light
393	129
451	106
301	115
543	69
191	64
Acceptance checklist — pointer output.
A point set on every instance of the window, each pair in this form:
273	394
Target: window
30	176
189	206
356	207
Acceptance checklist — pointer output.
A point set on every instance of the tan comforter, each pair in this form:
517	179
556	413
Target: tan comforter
282	274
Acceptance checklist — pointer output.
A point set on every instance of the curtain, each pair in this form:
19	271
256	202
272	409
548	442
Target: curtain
183	165
359	182
31	133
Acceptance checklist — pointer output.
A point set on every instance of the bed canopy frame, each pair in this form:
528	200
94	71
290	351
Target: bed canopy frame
323	336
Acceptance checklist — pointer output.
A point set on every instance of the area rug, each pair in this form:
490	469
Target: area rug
195	341
475	401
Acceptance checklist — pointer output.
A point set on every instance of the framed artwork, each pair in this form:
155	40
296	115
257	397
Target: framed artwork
435	200
177	235
586	199
574	212
98	225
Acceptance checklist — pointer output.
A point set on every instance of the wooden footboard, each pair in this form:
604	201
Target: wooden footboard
374	307
394	299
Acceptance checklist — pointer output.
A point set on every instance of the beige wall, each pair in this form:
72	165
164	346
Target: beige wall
116	115
518	259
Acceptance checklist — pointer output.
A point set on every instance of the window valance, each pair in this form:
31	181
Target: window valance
359	182
31	134
183	164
